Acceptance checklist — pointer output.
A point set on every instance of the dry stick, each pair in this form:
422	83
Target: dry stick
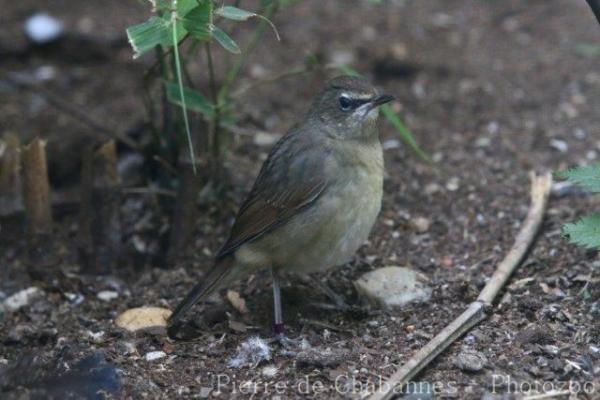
540	190
38	210
99	220
10	173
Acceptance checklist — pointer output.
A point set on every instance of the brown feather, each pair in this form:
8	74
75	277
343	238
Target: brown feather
287	184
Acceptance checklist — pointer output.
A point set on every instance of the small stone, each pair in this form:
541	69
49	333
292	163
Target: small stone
393	287
265	138
205	392
559	145
237	301
470	361
43	28
318	357
136	319
541	361
22	299
96	336
155	355
421	224
432	188
391	144
453	184
551	350
107	295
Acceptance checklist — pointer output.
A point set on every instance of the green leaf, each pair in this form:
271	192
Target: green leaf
586	177
237	14
585	232
224	40
194	100
197	20
234	13
147	35
404	132
185	6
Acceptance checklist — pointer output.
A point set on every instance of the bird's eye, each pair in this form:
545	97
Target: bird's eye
345	103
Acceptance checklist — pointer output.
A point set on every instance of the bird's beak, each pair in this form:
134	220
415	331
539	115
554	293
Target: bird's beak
379	100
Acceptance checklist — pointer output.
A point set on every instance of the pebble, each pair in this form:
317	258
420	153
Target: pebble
453	184
392	287
470	361
155	355
432	188
107	295
205	392
559	145
319	357
139	318
391	144
22	299
421	224
42	28
265	138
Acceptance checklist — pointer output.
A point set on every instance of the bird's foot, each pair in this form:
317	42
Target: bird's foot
287	343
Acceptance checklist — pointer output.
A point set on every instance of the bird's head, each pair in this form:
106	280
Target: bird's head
348	107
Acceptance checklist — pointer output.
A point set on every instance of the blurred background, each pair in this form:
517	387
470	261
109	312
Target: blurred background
490	90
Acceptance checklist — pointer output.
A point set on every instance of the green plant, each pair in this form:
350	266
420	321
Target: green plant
586	231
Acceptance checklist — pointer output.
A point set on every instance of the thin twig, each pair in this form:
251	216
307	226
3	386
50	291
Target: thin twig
595	6
540	190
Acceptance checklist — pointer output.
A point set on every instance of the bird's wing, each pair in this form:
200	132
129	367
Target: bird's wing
289	182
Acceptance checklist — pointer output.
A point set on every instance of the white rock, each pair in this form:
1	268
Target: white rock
135	319
559	145
453	184
42	28
22	298
107	295
391	144
265	138
155	355
393	287
421	224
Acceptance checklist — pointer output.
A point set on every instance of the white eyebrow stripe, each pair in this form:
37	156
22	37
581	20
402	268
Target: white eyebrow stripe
357	96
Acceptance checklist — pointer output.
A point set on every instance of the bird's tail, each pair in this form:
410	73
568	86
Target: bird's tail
220	274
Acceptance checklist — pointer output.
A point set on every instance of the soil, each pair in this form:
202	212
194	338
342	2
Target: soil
492	90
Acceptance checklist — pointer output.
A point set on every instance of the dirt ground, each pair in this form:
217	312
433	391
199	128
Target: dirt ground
491	89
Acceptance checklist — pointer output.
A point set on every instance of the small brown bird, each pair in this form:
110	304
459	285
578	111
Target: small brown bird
315	199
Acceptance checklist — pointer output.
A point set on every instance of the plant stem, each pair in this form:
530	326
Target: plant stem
180	82
214	121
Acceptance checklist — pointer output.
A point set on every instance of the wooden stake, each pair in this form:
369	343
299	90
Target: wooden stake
38	211
540	191
11	186
100	241
183	219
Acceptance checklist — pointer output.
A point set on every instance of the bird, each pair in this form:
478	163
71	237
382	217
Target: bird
315	200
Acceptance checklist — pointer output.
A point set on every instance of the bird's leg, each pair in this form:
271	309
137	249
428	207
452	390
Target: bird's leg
278	327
